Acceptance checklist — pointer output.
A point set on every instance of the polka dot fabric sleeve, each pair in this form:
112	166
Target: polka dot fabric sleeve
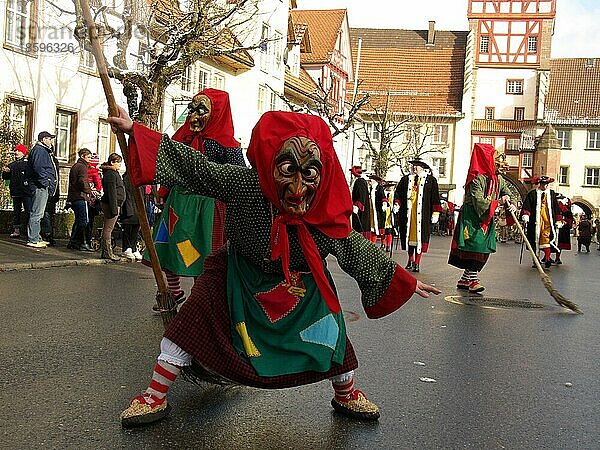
379	278
178	164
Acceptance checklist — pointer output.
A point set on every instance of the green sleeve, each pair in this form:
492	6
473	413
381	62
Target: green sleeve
476	193
369	266
178	164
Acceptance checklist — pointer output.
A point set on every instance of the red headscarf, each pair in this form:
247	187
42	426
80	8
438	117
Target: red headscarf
21	148
219	128
329	211
483	163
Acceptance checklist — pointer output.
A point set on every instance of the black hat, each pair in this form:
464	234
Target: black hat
375	177
419	162
44	134
542	179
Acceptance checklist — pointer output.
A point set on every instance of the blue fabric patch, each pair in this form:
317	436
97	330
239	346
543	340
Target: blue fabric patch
162	236
323	332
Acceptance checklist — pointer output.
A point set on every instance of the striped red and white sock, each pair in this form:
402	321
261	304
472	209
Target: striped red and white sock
162	378
344	391
173	284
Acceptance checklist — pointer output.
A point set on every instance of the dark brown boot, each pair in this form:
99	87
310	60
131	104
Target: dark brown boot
107	251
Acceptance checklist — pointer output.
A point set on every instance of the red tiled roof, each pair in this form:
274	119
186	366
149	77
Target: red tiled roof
574	91
302	87
421	80
501	126
324	26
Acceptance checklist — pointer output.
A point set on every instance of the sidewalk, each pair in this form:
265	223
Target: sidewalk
15	255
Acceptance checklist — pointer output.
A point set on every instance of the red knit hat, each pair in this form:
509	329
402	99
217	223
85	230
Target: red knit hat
21	148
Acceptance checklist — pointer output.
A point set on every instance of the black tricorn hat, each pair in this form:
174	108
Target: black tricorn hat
419	162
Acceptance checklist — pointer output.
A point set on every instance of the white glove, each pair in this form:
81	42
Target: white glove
355	209
512	208
384	206
396	207
559	224
525	218
435	217
504	199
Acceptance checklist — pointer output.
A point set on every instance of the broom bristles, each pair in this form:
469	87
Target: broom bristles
560	299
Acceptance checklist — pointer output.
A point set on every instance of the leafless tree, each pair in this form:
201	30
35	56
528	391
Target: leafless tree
401	137
321	103
170	36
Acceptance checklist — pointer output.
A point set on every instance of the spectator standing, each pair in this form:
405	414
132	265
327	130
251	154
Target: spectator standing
111	202
597	228
47	222
130	222
95	182
361	213
16	173
42	180
584	238
78	197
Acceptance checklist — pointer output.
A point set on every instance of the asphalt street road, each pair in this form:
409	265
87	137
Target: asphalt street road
76	343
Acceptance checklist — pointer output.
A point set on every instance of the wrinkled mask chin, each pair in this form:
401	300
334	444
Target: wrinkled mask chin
200	110
297	174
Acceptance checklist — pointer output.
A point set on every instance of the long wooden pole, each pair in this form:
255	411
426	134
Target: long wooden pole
164	299
560	299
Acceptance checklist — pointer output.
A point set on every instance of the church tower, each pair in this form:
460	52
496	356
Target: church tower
511	65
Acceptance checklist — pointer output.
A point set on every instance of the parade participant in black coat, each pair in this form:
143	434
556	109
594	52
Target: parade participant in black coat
419	200
361	212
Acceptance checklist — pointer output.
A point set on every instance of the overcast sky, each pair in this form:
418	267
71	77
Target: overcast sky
576	35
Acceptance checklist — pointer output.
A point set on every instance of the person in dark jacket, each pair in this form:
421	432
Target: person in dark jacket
47	222
584	237
78	197
42	180
361	212
111	202
130	222
16	172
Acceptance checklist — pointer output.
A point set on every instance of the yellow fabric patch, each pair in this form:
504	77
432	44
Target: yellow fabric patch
466	234
249	346
188	252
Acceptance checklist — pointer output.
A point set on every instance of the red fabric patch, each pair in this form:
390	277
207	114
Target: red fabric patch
278	302
173	219
143	150
401	288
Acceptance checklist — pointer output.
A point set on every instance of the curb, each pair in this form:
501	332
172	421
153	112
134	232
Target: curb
9	267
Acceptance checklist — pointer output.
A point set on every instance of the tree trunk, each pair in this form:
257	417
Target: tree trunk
150	105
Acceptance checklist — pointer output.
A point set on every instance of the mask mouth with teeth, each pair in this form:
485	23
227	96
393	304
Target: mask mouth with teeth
199	111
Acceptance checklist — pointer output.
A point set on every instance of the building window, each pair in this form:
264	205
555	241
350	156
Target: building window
513	145
440	165
532	44
440	134
563	176
187	79
262	99
143	56
489	113
486	140
105	142
218	81
592	176
18	24
20	115
273	102
564	137
87	62
66	126
372	131
527	160
484	44
519	113
594	139
203	78
264	47
514	87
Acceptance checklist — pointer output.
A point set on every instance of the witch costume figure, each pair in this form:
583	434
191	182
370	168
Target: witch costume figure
264	312
192	225
542	228
419	203
474	237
